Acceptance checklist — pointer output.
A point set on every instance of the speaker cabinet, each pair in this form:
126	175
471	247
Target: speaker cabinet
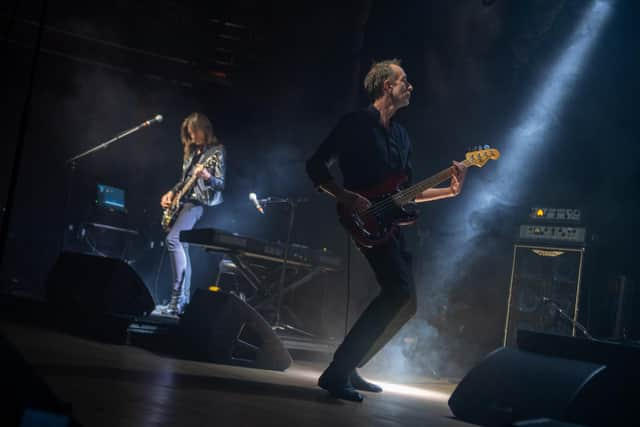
544	290
511	385
219	327
94	284
569	379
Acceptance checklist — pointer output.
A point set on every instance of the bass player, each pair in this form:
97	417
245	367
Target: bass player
370	146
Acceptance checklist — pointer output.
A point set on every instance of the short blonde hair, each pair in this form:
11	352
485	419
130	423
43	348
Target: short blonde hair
379	72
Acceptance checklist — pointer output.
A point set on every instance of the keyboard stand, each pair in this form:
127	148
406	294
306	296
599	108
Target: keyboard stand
264	285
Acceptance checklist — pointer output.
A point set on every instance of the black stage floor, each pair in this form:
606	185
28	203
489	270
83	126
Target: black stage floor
124	385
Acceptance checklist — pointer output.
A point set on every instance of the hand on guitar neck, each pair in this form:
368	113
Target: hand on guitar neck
458	173
202	172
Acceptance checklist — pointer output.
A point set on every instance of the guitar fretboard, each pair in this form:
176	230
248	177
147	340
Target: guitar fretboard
407	195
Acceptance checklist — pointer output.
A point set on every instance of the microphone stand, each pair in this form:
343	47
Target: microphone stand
293	204
565	316
72	163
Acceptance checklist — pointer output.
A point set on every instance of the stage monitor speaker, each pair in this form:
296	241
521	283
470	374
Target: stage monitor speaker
94	284
511	385
221	328
544	291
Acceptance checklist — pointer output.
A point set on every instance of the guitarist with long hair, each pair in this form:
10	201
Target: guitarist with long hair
201	186
370	146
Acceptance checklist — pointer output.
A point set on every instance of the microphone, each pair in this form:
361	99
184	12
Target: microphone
254	199
156	119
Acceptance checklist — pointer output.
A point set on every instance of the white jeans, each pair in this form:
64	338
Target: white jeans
179	252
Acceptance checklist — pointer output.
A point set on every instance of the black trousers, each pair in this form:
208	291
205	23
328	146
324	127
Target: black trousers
387	313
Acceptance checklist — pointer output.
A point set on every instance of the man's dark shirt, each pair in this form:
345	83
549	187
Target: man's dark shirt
367	153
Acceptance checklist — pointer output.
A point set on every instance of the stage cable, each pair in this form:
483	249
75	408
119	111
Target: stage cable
346	314
157	278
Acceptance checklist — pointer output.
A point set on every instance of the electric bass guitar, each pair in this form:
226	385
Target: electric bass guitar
170	214
390	203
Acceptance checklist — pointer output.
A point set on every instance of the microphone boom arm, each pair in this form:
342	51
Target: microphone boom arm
121	135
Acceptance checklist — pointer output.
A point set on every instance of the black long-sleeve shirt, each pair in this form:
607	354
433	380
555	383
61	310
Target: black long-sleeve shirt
367	153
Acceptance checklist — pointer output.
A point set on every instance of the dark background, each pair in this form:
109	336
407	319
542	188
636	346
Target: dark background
273	78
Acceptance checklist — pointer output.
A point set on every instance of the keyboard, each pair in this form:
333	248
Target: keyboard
299	255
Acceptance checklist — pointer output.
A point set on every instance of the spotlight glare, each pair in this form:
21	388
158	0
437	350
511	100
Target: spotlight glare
417	392
404	390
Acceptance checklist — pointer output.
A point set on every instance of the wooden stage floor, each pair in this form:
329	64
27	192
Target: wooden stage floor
122	385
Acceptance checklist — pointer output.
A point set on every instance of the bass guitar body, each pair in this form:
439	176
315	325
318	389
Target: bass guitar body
392	205
377	225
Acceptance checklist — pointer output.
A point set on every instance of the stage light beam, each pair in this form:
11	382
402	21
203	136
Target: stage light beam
523	145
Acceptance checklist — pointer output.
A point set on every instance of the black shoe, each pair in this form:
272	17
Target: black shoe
338	387
361	384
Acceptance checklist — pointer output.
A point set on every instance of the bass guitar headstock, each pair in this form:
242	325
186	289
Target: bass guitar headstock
480	155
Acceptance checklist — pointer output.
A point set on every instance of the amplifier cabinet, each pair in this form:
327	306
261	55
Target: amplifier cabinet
544	290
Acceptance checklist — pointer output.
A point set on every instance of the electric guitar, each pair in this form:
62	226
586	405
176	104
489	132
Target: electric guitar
170	214
390	203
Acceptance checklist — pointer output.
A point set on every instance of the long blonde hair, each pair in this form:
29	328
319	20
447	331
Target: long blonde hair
196	121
